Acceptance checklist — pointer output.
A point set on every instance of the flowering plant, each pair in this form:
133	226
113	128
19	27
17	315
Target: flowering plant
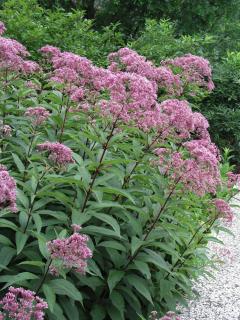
107	183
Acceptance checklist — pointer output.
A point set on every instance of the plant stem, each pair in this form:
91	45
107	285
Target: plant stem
199	241
33	200
31	143
64	121
84	153
44	276
128	177
97	170
154	222
28	153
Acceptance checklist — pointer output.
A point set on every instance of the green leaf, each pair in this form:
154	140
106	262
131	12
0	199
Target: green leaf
113	278
21	239
94	269
113	244
17	279
38	222
100	231
98	312
114	313
156	259
22	198
50	296
6	255
143	268
118	191
18	162
5	240
135	244
131	297
4	223
65	287
70	308
213	239
118	302
109	220
33	263
140	285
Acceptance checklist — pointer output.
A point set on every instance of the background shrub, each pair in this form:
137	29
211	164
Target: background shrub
35	26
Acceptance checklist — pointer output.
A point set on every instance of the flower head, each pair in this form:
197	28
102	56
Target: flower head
180	117
224	210
233	179
5	130
58	153
195	70
170	315
2	28
128	60
7	190
70	253
77	95
49	51
76	227
22	304
198	171
12	57
37	114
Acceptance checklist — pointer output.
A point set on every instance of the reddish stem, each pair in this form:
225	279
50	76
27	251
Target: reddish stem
97	170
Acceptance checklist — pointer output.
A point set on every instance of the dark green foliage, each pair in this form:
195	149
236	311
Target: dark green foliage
158	41
191	16
222	107
34	26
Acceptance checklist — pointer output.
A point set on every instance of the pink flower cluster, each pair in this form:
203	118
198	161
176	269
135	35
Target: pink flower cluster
32	85
21	304
38	115
224	210
233	179
179	117
5	130
69	253
49	51
58	153
13	54
7	190
170	315
2	28
223	254
131	96
195	70
128	60
198	170
174	118
132	84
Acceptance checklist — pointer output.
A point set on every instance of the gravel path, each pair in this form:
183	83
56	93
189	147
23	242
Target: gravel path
220	297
